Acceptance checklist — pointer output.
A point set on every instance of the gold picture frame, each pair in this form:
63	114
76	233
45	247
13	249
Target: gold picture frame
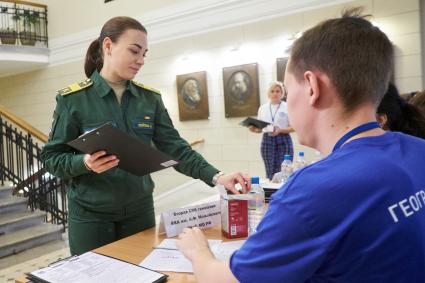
192	94
241	94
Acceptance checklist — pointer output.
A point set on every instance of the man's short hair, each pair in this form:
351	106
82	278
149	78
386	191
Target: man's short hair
356	55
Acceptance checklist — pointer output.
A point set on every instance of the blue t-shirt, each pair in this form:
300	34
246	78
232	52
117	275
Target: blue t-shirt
356	216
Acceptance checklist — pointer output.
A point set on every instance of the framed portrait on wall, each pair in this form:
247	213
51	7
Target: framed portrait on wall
241	95
280	68
192	93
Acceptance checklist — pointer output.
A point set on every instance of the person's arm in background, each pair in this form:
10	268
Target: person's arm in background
255	129
167	139
282	131
285	127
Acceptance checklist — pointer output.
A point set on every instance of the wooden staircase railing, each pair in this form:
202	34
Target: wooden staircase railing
23	124
38	184
21	164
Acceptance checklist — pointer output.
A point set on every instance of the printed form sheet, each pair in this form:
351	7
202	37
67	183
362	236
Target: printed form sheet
92	267
167	257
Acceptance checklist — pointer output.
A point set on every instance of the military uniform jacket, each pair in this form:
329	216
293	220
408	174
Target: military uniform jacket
87	105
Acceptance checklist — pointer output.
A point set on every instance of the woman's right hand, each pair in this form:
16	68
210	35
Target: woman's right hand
99	162
254	129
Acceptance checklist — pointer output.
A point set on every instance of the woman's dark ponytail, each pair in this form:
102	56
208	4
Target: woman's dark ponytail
112	29
94	59
412	120
401	116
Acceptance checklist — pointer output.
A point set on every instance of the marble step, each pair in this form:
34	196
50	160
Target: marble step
5	191
13	204
14	221
23	239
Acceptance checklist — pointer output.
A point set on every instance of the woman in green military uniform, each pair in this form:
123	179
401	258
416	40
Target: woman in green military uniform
105	202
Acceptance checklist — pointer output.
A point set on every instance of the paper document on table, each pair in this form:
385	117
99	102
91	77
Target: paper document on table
171	244
92	267
225	250
167	257
167	260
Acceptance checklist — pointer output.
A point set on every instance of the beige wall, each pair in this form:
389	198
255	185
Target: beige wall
67	17
227	145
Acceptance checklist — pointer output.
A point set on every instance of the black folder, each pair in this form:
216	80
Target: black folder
134	155
254	122
66	270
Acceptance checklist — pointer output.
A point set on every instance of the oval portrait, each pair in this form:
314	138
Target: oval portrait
240	86
191	93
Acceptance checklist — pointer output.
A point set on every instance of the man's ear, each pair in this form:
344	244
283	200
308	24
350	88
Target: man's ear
313	85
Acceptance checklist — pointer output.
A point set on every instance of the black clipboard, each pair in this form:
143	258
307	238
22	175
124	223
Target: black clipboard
37	276
134	155
254	122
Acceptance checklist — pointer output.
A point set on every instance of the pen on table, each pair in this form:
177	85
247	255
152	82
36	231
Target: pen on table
161	248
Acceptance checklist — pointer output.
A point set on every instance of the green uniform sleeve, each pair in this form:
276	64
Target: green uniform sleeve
167	139
59	158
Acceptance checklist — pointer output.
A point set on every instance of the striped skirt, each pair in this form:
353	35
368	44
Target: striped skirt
272	151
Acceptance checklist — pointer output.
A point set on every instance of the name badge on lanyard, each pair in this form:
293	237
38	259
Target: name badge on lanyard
270	128
271	113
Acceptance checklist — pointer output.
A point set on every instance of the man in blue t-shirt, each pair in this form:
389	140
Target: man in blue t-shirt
359	214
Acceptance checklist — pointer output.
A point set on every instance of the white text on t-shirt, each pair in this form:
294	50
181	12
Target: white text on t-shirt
407	206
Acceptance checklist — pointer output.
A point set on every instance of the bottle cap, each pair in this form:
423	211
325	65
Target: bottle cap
255	180
301	154
287	157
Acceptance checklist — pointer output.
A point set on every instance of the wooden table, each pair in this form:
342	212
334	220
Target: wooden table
135	248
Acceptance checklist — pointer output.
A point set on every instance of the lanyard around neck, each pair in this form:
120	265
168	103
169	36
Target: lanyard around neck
271	114
357	130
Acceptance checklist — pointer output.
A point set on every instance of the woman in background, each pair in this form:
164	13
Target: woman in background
395	114
276	140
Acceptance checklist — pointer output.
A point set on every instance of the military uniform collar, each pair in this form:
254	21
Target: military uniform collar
104	89
133	89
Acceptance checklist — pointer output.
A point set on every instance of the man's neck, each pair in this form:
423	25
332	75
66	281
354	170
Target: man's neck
334	126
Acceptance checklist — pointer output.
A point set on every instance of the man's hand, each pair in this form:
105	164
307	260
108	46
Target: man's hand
100	162
192	241
230	180
193	244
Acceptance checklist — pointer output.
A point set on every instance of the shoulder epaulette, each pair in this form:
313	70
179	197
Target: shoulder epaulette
146	87
75	87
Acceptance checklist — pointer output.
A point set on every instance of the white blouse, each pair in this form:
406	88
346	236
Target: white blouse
274	113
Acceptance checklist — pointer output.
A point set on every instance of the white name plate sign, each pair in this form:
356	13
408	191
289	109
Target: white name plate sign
202	216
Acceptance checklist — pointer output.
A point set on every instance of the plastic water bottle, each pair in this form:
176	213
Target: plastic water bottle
286	168
300	161
256	205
